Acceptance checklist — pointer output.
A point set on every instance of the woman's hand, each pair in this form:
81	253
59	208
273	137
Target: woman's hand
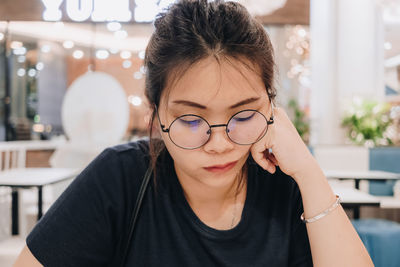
288	149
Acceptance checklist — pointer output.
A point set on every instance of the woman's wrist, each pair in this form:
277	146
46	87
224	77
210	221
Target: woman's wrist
309	167
315	190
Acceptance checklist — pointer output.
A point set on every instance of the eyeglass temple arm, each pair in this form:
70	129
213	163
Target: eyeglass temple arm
161	125
271	119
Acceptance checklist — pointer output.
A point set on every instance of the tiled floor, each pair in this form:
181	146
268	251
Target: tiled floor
10	249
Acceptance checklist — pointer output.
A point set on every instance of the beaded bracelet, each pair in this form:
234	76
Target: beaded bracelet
322	214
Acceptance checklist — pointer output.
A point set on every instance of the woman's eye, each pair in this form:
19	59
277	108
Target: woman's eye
190	122
239	118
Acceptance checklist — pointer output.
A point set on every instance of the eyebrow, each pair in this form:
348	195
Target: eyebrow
197	105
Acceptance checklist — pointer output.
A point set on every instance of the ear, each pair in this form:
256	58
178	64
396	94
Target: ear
155	127
157	133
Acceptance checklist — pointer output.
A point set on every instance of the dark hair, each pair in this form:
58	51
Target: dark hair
192	30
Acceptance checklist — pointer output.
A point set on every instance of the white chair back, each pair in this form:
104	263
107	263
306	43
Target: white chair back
11	157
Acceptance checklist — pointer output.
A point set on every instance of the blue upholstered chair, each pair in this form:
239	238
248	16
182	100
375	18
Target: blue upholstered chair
383	159
382	240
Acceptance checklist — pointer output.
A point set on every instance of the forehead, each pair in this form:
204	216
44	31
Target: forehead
216	84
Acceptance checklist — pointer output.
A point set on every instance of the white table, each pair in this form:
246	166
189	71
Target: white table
32	177
389	202
357	176
354	198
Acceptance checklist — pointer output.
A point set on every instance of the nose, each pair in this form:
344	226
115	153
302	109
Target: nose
219	141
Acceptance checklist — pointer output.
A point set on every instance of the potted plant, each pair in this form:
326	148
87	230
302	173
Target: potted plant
367	121
300	120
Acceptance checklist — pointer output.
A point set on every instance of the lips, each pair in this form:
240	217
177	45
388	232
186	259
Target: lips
221	168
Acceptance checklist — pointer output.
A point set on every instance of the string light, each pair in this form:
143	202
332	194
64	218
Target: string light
19	51
142	54
135	100
297	46
16	44
121	34
32	72
46	48
138	75
126	64
142	69
114	50
102	54
126	54
21	72
39	66
78	54
68	44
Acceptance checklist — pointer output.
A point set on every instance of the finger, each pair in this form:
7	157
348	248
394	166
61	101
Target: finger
264	162
271	157
271	168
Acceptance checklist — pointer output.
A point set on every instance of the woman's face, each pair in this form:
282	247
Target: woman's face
215	91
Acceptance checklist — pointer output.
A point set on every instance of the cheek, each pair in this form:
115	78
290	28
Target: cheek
242	151
179	155
186	160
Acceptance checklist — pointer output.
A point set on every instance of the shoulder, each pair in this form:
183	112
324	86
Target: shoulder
132	155
141	145
138	149
117	167
128	161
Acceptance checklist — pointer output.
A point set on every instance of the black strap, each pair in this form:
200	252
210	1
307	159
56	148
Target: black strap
138	203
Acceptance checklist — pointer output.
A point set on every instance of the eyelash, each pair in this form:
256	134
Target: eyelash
245	118
190	122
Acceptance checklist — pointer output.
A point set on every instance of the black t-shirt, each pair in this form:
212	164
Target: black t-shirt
88	225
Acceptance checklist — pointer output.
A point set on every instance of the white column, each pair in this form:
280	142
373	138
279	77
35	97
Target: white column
346	61
323	69
360	49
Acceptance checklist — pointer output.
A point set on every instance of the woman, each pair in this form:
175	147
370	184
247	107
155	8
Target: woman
229	167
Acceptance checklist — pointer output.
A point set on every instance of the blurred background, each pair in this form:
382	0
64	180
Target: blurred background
72	83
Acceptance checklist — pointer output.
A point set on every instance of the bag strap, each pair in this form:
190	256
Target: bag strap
138	204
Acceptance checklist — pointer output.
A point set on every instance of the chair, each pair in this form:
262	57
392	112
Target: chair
11	156
383	159
382	240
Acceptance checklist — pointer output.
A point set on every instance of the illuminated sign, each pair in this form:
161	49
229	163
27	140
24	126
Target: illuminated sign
103	10
81	10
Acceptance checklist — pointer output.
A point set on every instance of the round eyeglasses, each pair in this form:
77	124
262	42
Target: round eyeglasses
191	131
